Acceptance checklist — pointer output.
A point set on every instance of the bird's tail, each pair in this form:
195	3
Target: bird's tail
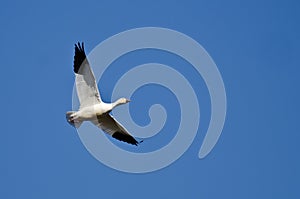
70	118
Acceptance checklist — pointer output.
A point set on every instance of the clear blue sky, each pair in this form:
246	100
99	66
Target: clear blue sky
256	47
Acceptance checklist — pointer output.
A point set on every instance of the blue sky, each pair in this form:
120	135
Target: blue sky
255	45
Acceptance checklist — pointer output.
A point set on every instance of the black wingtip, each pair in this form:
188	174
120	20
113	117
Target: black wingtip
79	56
125	138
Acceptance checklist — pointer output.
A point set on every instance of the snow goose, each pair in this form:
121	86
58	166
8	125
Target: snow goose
92	108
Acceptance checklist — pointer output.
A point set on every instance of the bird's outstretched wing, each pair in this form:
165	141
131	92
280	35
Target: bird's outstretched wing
86	86
112	127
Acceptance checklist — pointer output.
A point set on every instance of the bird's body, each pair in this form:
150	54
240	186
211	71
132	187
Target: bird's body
92	108
88	113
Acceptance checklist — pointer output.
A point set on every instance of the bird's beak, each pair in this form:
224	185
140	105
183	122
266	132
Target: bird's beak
128	100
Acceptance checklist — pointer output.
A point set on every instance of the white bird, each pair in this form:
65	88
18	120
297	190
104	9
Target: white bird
92	108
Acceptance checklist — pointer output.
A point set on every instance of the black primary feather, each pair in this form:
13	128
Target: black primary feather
79	56
125	138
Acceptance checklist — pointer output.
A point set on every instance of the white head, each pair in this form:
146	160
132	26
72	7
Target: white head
123	100
120	102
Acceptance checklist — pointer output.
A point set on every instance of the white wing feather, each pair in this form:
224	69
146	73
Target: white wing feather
86	86
112	127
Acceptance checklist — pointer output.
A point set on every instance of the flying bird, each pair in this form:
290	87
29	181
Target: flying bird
92	108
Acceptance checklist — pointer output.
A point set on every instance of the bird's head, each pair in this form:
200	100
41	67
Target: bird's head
123	100
120	102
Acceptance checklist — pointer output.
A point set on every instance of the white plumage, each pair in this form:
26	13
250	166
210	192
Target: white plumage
92	108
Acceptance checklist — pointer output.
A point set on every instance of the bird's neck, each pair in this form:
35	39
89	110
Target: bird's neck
116	103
